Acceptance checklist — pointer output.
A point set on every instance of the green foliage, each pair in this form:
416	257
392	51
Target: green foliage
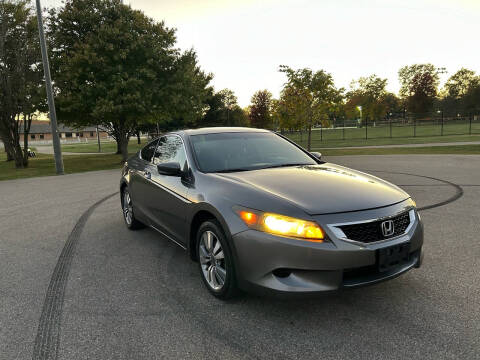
460	83
419	83
309	97
116	67
222	110
370	93
261	110
21	73
461	93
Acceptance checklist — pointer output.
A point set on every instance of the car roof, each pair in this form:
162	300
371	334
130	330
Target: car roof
216	130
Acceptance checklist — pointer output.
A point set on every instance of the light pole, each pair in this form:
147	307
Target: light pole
51	103
359	107
98	140
441	128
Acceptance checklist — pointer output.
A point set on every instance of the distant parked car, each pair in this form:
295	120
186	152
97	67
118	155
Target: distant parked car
258	212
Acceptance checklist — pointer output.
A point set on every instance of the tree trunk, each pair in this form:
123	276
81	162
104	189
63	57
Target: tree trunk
119	149
13	139
9	154
27	123
18	156
309	140
138	138
123	143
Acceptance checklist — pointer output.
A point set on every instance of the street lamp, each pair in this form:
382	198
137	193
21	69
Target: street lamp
359	107
441	131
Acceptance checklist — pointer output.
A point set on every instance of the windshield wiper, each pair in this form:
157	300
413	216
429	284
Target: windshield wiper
283	165
232	170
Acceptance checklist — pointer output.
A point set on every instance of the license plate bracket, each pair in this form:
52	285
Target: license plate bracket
392	256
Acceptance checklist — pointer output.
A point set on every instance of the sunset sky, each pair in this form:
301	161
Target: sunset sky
243	42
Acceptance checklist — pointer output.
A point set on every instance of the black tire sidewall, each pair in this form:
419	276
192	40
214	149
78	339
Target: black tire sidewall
229	288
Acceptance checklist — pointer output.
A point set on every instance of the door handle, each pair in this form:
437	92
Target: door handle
147	174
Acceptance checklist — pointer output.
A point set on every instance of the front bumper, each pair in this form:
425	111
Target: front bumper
268	263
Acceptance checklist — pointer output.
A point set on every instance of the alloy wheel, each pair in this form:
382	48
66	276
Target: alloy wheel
212	260
127	207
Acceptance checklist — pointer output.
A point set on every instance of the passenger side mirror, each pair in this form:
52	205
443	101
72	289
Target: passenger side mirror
317	155
169	168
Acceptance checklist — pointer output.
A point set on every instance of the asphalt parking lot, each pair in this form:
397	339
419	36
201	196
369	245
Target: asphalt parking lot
76	284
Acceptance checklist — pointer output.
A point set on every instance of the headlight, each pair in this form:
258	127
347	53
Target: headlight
281	225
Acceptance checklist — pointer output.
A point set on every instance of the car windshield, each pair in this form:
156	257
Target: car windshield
229	152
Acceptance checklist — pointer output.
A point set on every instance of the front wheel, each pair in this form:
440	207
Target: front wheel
215	261
127	207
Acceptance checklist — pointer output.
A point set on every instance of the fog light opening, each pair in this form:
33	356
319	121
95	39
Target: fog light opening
282	273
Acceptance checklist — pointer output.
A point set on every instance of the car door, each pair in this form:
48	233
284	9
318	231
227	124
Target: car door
168	198
140	172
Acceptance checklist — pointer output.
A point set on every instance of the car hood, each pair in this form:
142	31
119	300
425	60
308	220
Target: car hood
323	189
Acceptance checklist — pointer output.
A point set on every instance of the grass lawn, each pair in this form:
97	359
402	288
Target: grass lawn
107	147
381	135
44	165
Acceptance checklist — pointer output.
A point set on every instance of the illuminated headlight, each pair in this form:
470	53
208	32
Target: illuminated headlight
281	225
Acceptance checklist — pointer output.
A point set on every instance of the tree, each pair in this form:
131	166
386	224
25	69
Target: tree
118	68
260	109
313	95
20	77
458	85
287	110
229	101
419	83
370	93
460	93
222	110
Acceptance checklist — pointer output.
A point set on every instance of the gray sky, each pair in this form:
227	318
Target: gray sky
243	42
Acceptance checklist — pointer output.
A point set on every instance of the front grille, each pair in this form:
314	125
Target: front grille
372	231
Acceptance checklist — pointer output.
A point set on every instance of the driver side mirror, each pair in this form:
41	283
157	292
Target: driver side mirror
317	155
169	168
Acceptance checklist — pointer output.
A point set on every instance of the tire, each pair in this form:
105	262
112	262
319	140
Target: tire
127	209
215	261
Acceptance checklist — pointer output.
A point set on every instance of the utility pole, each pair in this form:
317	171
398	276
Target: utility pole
98	140
51	103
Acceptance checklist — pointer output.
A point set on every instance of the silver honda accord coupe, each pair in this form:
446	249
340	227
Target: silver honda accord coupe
260	213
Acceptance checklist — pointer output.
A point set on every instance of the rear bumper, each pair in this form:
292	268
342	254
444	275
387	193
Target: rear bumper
273	264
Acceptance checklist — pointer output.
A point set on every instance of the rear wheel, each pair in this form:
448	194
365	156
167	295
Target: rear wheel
215	261
127	207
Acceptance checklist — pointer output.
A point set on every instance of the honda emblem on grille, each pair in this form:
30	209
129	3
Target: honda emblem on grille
388	228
